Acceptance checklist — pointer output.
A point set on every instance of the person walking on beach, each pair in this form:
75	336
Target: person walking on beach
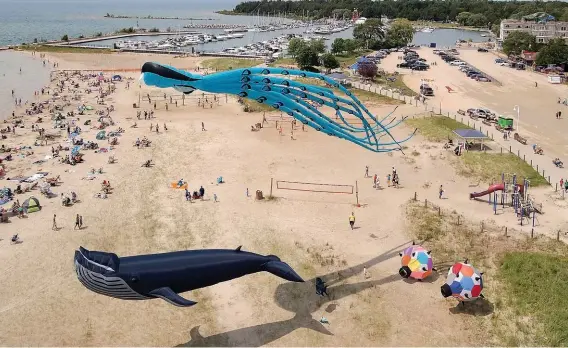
388	180
247	191
187	195
352	220
76	222
441	192
202	126
215	197
151	127
366	171
80	222
54	226
375	181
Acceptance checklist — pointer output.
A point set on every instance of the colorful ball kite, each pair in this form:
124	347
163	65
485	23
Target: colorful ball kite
464	282
416	263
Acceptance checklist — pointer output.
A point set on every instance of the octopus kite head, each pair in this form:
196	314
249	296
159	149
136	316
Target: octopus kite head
163	76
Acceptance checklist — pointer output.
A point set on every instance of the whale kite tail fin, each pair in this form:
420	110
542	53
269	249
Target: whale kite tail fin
282	270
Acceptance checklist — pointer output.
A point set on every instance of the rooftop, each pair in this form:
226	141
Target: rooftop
469	134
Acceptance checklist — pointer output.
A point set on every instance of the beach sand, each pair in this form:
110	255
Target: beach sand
43	303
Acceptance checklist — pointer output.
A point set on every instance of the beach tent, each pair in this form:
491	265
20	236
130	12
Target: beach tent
117	78
31	205
101	135
360	60
75	150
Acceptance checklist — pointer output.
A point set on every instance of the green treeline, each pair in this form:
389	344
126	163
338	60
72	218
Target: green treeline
429	10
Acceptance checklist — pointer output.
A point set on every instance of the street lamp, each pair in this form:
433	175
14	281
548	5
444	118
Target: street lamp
518	110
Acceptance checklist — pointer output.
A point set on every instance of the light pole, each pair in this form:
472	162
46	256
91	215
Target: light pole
518	110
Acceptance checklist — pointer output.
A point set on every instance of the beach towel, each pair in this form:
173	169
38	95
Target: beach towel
175	185
4	200
18	178
75	150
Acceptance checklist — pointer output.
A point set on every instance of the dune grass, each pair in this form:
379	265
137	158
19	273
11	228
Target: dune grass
436	128
525	289
221	64
489	166
64	49
254	106
536	286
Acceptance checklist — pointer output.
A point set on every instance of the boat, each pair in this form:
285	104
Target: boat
238	35
427	30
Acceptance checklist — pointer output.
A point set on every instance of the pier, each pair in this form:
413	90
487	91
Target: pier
117	36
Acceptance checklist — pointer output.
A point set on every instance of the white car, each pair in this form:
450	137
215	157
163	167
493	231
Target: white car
457	63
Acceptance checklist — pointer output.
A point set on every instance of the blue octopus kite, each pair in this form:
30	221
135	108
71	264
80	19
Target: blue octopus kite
273	87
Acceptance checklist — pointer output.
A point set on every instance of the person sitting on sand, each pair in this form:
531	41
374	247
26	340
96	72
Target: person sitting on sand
201	192
180	183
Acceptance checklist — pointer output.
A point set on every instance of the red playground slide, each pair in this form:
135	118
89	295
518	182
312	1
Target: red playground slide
491	189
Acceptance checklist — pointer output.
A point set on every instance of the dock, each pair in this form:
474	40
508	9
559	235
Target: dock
5	48
118	36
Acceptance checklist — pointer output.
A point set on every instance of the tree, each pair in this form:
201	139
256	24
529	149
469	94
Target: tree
318	46
295	46
329	62
371	30
65	38
306	57
367	69
350	45
554	52
477	20
400	33
463	17
518	41
338	46
496	29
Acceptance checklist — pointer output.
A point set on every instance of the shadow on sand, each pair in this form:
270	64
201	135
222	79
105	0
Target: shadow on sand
302	300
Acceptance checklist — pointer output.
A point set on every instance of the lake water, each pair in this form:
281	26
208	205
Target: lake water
25	20
33	77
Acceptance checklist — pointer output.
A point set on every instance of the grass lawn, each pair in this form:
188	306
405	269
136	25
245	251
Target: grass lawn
436	128
536	284
398	83
64	49
350	58
370	97
283	61
221	64
254	106
489	166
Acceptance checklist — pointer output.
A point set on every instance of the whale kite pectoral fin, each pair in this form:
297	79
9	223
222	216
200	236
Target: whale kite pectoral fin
282	270
239	248
170	296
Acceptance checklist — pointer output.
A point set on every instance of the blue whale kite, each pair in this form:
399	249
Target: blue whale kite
164	276
274	87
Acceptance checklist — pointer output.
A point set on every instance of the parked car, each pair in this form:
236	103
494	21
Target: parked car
405	65
482	78
481	49
420	67
499	60
457	63
426	90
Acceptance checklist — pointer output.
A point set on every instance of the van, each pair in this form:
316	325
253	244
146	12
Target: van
426	90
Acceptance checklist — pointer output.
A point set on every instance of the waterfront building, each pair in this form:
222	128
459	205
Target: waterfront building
544	27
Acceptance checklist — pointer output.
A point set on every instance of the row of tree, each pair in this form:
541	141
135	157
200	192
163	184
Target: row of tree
432	10
370	35
554	52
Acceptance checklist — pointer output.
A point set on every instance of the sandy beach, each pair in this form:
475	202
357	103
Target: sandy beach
43	303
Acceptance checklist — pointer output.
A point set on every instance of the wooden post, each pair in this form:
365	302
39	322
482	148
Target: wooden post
439	211
357	192
558	235
555	189
518	153
537	167
482	226
531	163
505	231
426	202
532	232
524	158
549	179
271	182
510	149
415	195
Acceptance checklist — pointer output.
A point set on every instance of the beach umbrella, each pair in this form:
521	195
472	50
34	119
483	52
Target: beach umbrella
416	262
464	282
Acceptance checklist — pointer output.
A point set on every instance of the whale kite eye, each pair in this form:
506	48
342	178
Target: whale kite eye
134	279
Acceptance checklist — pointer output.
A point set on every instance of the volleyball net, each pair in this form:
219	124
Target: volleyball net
314	187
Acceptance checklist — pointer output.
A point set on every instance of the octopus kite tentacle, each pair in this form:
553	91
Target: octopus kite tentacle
279	89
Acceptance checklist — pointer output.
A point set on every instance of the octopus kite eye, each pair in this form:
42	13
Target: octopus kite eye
246	72
266	80
266	71
285	72
266	88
